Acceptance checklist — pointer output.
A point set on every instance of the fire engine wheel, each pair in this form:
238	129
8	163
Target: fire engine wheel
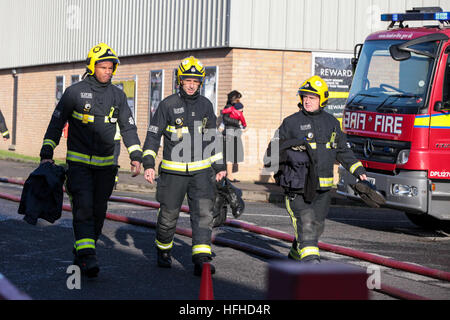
428	222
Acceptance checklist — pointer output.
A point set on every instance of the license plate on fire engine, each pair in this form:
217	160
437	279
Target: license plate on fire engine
371	180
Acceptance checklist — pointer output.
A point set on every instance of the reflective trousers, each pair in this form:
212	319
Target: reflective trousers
89	190
308	220
171	191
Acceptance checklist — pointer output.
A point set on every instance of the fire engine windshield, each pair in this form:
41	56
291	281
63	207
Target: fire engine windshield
383	84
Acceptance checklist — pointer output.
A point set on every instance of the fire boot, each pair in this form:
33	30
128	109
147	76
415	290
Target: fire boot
233	196
164	258
293	253
88	265
198	265
311	260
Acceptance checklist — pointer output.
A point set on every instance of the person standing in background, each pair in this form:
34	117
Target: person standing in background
233	148
3	127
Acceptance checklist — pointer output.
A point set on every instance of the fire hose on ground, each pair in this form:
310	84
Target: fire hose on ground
387	262
268	254
394	292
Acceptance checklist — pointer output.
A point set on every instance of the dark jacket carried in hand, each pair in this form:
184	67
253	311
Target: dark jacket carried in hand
297	173
326	144
42	194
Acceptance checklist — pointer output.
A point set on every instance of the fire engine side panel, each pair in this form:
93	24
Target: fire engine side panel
427	135
379	125
440	151
439	168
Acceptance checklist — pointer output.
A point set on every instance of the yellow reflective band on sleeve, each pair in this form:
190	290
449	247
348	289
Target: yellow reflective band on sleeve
326	182
355	166
172	129
83	117
216	157
5	133
149	153
85	244
313	145
133	148
309	251
328	145
201	248
164	246
48	142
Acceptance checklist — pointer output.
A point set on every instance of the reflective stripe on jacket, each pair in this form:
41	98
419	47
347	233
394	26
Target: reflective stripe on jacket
94	111
190	138
322	132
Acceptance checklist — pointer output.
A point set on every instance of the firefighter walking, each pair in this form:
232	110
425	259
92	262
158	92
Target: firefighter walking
315	136
187	122
92	107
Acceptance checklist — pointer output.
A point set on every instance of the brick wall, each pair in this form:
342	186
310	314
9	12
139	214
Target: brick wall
6	103
267	79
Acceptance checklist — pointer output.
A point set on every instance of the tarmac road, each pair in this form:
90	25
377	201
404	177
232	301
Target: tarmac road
36	258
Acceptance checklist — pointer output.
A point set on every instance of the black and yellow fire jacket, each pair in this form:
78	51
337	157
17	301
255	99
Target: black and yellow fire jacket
327	144
191	143
92	110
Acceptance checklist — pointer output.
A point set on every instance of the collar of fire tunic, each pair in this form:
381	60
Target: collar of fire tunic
92	80
189	99
317	112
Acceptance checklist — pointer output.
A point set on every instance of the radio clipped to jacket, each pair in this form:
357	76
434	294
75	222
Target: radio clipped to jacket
113	114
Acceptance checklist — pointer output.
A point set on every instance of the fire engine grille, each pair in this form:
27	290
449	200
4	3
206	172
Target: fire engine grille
378	150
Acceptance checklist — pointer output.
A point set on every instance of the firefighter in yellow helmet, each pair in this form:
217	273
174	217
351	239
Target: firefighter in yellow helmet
92	107
191	156
310	141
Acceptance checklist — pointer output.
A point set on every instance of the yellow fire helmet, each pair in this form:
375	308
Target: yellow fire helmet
101	52
315	85
190	67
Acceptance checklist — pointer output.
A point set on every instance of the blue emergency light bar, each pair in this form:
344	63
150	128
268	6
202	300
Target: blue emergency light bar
439	16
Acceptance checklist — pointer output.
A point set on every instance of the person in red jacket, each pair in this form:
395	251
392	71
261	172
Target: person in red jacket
231	130
235	113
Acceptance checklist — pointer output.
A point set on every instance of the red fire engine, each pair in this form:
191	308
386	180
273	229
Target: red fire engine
397	116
